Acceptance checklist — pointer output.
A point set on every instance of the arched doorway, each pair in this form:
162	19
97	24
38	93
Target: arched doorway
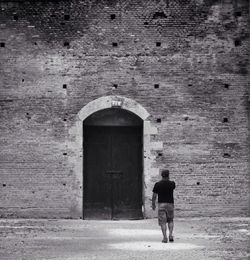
113	158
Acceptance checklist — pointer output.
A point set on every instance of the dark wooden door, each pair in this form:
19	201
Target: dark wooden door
112	172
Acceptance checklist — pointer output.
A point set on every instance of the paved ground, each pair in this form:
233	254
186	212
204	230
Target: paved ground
195	239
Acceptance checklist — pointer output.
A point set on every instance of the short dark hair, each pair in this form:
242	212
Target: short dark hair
165	173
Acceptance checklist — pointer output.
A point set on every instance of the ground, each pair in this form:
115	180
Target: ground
195	239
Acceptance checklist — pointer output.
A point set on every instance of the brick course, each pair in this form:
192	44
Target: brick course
57	56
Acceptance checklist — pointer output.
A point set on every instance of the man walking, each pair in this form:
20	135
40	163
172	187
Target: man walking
165	191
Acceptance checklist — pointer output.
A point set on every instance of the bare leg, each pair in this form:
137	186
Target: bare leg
171	228
164	232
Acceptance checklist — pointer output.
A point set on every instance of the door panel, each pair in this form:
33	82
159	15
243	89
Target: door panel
126	157
97	160
112	172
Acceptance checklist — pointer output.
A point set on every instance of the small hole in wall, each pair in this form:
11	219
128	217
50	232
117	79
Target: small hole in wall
145	23
198	183
186	118
65	119
158	44
114	44
66	44
237	14
237	42
115	86
225	120
66	17
112	16
22	80
62	23
159	15
2	44
226	86
64	85
64	153
4	185
15	17
226	155
156	85
159	154
35	43
64	184
158	120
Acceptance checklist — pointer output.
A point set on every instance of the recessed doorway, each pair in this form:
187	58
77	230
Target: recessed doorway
113	156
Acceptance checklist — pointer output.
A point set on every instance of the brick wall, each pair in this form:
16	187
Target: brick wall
185	62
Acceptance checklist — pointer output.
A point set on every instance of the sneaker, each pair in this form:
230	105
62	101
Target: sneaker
165	240
171	239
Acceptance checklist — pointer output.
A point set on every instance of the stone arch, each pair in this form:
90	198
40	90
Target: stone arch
111	101
76	146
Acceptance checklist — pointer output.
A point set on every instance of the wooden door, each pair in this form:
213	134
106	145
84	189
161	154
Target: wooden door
112	172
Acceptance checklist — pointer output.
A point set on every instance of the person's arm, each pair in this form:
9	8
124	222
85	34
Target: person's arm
153	200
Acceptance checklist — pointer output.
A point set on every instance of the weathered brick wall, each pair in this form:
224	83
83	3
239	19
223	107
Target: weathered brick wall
185	62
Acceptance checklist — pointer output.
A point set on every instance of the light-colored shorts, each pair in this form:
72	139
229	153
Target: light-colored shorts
165	213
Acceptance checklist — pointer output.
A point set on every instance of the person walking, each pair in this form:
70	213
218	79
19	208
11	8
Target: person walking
164	189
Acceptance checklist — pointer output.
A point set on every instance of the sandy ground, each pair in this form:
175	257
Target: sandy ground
195	239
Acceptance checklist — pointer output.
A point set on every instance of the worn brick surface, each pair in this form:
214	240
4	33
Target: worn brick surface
57	56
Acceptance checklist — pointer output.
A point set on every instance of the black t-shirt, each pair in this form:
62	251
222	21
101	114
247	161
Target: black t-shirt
165	190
